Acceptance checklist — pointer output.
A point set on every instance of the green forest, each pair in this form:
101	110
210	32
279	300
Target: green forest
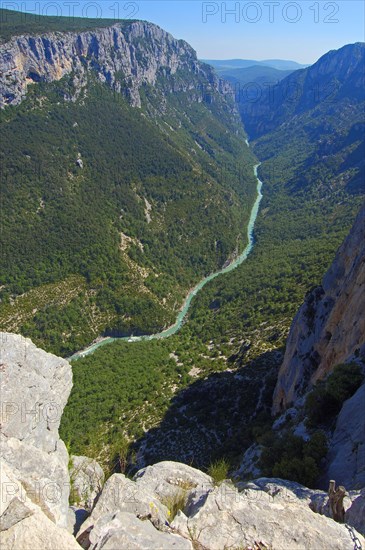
127	217
15	23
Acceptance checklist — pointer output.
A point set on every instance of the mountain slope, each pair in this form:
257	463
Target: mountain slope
310	126
125	180
250	83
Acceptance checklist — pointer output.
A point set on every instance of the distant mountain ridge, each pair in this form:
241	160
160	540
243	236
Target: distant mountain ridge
279	64
335	77
310	127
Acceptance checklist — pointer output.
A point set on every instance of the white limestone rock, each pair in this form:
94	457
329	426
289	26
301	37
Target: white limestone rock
318	501
346	455
166	479
23	525
124	530
35	388
37	532
123	495
228	518
87	478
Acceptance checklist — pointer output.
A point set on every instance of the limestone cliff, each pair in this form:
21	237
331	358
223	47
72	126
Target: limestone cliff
329	328
346	456
125	56
34	390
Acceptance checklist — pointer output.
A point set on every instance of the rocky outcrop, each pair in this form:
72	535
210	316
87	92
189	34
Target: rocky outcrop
34	461
124	530
271	512
165	479
329	328
317	501
87	478
256	518
136	514
125	56
35	386
346	455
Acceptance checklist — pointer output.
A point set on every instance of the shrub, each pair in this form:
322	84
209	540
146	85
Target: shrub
324	402
290	457
344	381
175	502
218	470
304	471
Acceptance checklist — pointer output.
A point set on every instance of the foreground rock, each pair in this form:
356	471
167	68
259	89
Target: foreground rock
274	513
167	479
136	513
167	506
35	388
23	524
33	460
123	530
316	500
226	518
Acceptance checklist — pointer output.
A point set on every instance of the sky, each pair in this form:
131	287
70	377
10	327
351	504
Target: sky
301	30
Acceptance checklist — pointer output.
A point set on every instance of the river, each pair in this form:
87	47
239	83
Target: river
185	308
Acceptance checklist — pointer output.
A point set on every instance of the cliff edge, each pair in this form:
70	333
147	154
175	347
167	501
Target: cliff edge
329	328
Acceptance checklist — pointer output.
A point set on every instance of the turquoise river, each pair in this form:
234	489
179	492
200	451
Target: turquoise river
185	308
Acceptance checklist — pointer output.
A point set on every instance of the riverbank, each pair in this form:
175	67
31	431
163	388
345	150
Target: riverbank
173	329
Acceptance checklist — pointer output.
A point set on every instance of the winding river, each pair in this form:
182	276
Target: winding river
185	308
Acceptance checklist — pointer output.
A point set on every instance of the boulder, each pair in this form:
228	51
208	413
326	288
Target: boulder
37	532
229	518
23	525
87	478
123	495
166	479
124	530
316	500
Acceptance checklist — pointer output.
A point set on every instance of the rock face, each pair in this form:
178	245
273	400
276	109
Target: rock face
34	482
329	328
346	455
125	56
35	388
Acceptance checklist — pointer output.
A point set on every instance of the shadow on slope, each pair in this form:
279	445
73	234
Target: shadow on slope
213	417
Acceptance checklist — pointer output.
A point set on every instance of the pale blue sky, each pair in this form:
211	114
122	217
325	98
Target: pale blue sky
264	29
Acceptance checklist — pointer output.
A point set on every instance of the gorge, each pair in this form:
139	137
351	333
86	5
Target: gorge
128	189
